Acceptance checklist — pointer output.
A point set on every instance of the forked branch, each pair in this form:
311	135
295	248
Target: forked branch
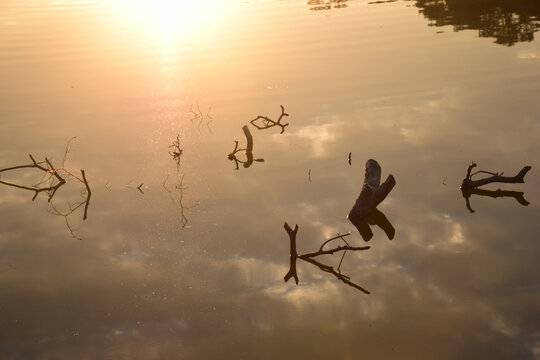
51	181
266	123
45	166
309	257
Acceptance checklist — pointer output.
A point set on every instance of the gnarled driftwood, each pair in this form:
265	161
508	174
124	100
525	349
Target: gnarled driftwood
371	195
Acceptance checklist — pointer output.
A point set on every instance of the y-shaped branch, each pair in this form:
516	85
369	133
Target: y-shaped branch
309	257
268	123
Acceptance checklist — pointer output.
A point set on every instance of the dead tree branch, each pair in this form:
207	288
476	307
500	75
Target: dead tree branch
45	166
309	257
88	194
340	276
469	183
470	187
266	123
51	181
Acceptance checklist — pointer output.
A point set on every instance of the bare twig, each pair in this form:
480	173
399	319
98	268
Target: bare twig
338	236
333	250
49	170
266	123
88	194
330	270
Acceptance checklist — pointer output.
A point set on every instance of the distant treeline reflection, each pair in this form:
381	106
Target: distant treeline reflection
508	21
326	5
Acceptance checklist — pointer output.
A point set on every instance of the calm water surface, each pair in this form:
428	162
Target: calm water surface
182	256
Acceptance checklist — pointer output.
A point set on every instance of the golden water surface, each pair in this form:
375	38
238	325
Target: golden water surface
172	246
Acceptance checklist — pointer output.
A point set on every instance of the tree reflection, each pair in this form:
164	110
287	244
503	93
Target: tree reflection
317	5
508	21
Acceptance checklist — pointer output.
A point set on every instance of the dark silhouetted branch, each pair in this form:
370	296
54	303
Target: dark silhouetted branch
51	181
267	123
518	195
309	257
333	250
330	270
49	171
469	183
470	187
293	254
88	194
248	150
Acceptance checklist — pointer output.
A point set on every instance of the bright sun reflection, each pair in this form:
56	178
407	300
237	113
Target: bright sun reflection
177	17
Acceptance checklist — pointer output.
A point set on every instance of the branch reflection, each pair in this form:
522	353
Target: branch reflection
52	180
309	257
375	218
518	195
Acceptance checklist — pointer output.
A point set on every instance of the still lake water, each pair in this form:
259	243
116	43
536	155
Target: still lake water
183	256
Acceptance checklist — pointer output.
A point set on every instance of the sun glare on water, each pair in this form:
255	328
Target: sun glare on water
168	18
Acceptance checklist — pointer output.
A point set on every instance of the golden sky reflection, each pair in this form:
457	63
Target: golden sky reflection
372	80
